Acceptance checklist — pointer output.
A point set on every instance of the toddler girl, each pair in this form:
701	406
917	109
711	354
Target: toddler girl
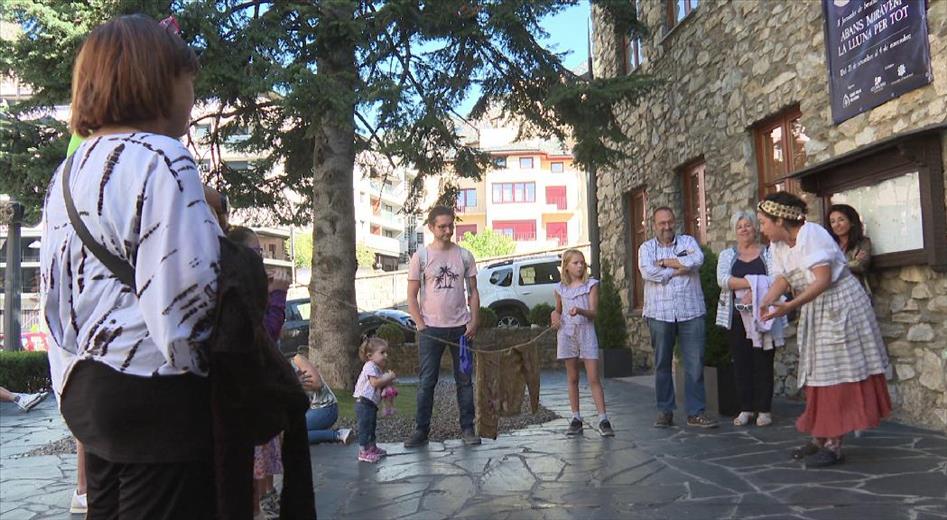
576	304
371	381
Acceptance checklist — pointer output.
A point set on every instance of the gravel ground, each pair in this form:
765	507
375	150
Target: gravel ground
60	447
445	422
395	428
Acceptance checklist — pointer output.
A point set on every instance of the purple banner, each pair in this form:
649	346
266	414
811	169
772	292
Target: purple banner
877	50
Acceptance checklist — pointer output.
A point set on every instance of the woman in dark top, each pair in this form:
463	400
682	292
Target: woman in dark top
752	366
845	226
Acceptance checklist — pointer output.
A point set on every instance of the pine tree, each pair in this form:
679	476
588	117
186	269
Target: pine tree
314	83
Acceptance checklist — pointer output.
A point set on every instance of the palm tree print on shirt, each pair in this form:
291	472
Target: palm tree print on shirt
445	278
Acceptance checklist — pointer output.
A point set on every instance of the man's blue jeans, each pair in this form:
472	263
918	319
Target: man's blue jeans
319	422
430	351
690	335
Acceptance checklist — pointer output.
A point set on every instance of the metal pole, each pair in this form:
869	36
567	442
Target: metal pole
592	193
13	216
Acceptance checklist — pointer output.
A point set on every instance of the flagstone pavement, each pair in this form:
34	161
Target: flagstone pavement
894	472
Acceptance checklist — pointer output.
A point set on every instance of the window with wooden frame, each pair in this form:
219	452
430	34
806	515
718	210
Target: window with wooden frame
637	227
466	198
897	186
780	151
633	48
513	192
676	11
696	216
634	55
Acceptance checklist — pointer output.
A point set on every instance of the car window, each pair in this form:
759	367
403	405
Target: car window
539	274
303	309
502	277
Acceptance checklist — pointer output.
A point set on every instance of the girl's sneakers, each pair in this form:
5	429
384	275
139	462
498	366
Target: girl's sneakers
368	455
605	429
379	451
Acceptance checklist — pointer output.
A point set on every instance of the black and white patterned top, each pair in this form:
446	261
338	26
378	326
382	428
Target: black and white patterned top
140	196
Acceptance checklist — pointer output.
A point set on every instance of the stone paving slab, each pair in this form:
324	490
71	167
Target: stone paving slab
893	472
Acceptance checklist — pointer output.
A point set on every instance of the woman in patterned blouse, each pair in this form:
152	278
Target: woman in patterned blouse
127	358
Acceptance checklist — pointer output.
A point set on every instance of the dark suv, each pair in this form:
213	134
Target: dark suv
295	331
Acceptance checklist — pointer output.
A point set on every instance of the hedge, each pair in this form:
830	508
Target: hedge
24	371
391	333
540	314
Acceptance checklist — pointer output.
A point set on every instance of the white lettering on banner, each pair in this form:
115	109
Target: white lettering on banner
877	21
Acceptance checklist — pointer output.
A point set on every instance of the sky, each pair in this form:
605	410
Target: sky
568	31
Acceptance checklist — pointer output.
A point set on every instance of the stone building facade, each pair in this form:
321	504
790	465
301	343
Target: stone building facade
732	72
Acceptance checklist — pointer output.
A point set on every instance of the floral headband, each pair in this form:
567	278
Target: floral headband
778	210
171	24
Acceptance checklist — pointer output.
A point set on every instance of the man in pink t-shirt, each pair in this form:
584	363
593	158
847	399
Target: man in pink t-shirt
445	313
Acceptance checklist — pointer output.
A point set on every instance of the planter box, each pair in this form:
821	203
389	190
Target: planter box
615	362
719	388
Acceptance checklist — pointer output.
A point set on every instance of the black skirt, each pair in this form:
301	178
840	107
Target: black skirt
132	419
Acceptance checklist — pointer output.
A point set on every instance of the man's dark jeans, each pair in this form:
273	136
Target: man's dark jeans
430	351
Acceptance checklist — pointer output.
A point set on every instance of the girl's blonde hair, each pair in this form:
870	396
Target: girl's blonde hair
566	259
369	346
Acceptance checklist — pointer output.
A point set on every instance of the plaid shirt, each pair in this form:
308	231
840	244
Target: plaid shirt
667	297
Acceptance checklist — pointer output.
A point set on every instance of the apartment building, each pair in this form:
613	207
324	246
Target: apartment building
379	221
534	193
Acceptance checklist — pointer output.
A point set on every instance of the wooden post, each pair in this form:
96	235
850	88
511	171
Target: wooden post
11	214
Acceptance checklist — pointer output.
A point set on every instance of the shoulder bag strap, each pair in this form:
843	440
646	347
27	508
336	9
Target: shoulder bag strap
120	268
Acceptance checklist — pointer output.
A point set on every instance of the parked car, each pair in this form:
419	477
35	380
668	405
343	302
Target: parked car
512	287
295	331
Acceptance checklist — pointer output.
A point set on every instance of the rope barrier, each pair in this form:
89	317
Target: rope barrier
419	333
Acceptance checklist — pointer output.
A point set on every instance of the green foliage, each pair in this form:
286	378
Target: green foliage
405	404
281	73
23	371
301	250
539	315
365	256
717	351
488	244
30	152
488	318
610	317
391	333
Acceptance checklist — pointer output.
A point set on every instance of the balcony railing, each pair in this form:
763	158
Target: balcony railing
520	236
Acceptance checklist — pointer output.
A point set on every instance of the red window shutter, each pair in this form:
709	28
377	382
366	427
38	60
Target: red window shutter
556	195
558	231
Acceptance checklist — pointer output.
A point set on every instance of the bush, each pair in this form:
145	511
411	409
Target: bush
488	318
23	371
717	351
610	317
391	333
539	315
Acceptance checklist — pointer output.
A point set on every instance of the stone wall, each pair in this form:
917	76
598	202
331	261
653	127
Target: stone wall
727	66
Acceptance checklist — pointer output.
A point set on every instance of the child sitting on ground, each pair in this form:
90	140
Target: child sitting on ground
576	306
371	381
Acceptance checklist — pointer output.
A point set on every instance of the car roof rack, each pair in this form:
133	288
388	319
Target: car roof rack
524	258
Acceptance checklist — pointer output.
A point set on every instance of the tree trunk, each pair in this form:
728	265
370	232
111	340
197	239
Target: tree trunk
333	326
